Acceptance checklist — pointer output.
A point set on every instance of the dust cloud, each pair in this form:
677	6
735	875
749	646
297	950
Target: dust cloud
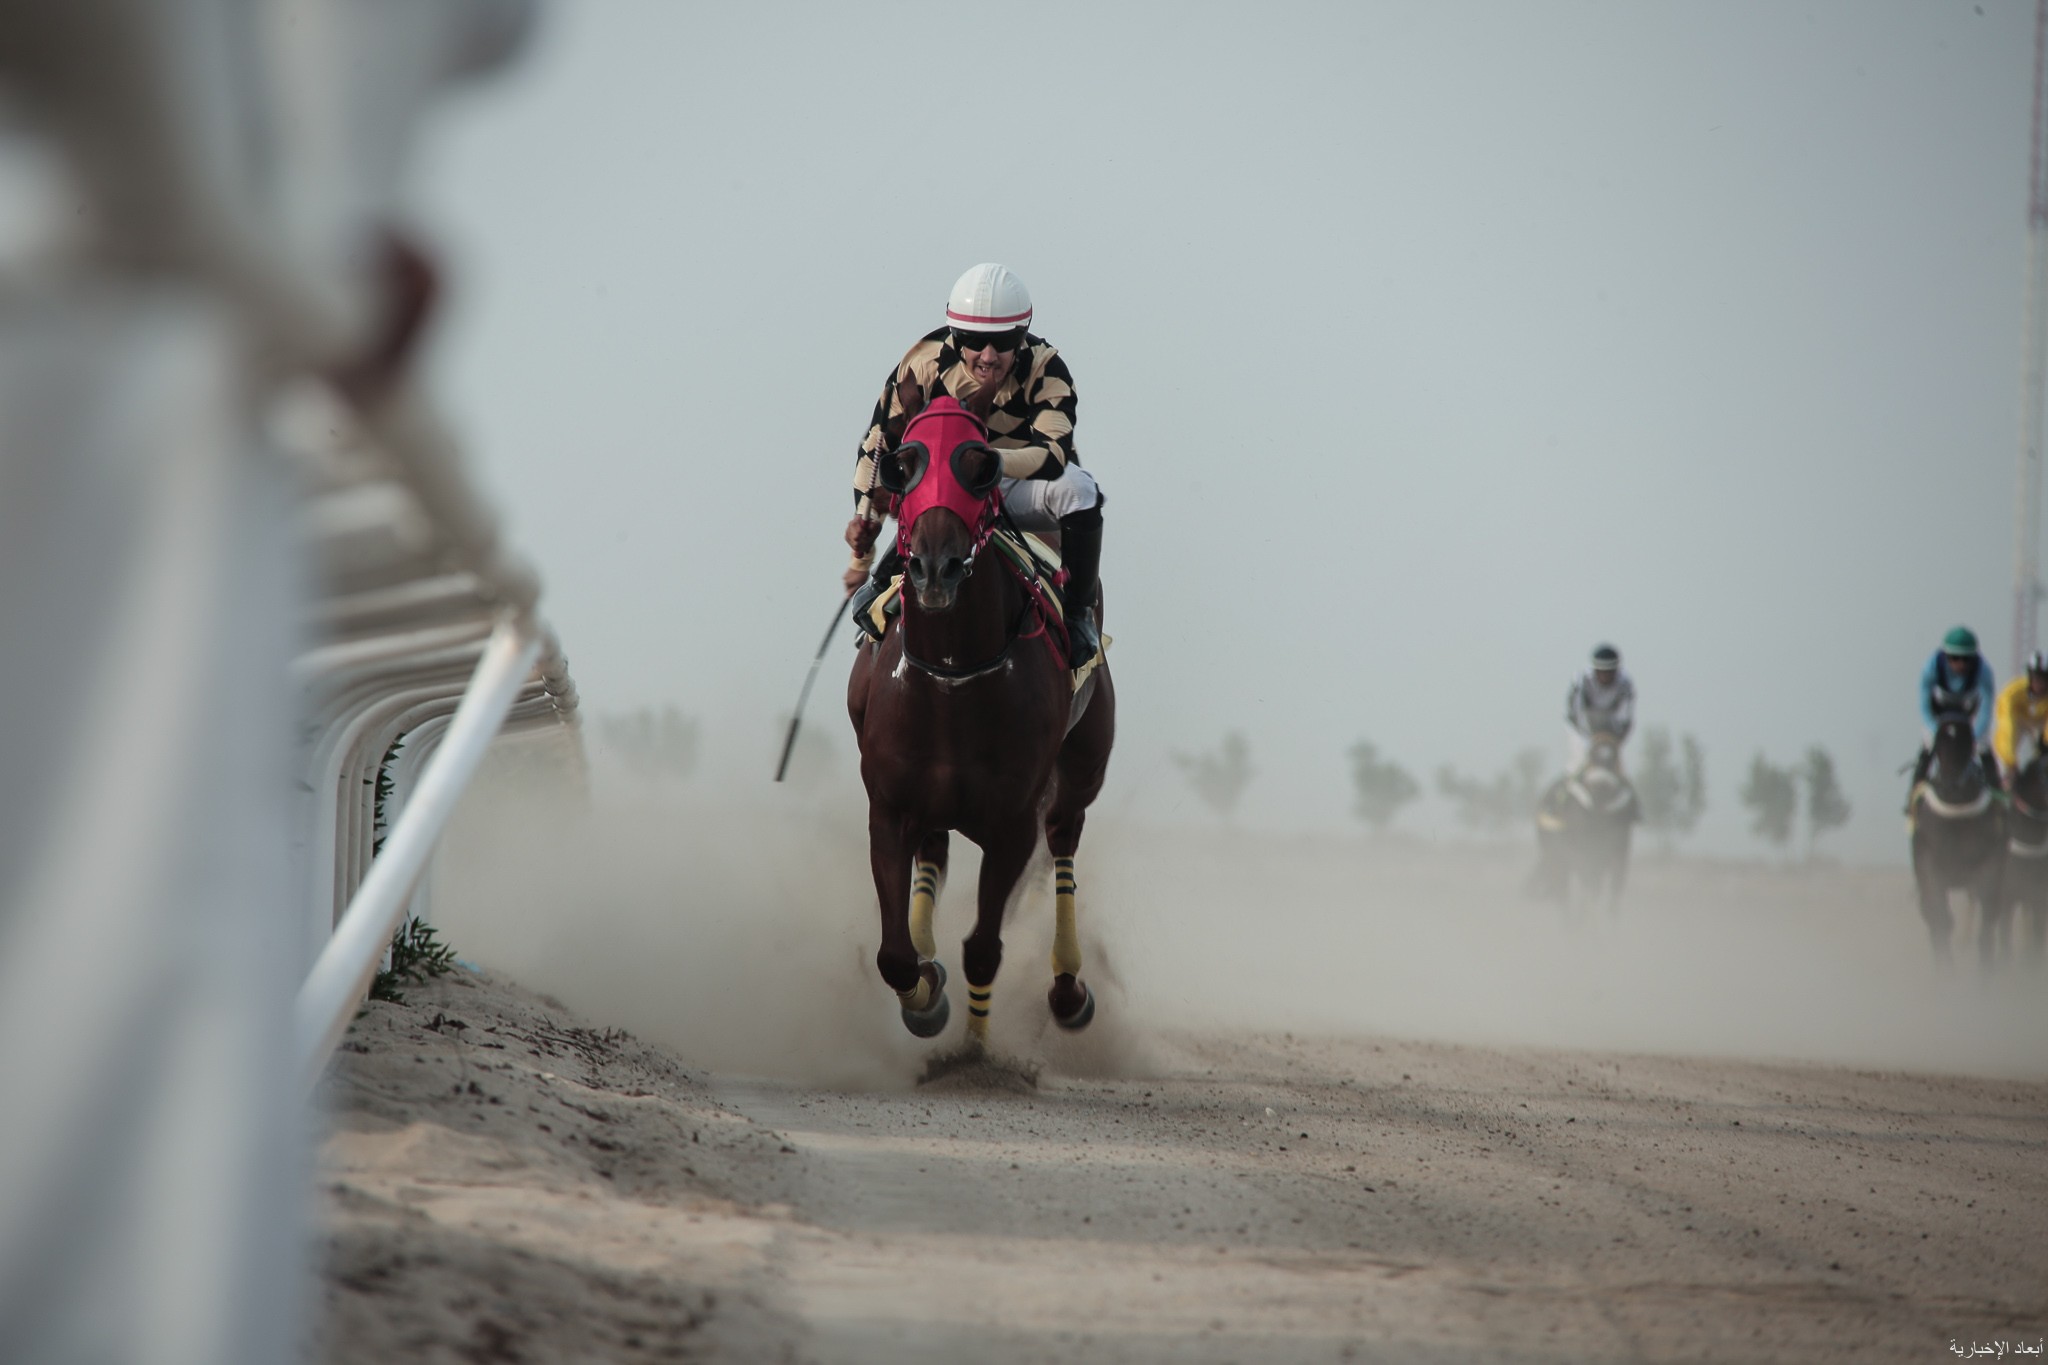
738	927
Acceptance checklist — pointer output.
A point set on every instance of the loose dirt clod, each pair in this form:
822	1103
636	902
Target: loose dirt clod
969	1068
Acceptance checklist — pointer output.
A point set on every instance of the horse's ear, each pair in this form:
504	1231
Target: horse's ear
900	470
977	467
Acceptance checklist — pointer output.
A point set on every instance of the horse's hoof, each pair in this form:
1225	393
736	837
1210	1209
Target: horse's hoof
931	1022
1073	1004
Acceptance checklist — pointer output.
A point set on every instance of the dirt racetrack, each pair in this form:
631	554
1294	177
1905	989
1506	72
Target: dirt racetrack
1253	1157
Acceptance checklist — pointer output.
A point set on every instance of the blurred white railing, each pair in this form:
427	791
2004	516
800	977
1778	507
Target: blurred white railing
428	641
216	183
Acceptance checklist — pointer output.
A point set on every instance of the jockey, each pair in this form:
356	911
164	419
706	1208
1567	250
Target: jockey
2021	712
1956	679
1017	384
2020	715
1602	702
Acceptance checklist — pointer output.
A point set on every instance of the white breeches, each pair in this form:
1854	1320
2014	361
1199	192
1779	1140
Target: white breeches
1038	504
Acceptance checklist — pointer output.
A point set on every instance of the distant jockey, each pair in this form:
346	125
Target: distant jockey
2021	712
1956	679
1602	702
1017	384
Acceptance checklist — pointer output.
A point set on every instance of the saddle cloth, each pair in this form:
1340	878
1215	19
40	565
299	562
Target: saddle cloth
1034	563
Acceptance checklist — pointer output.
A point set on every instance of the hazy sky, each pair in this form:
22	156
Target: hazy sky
1418	348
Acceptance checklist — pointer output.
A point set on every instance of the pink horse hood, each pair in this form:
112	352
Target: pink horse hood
942	428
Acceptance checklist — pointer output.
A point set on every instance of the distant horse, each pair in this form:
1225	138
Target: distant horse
2024	886
1583	827
1959	835
968	720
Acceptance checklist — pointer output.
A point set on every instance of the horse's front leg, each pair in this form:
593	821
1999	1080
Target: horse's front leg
1935	912
1003	856
919	985
927	881
1072	1003
1618	877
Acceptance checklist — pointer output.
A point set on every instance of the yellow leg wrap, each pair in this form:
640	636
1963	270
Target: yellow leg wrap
919	997
1066	940
924	895
977	1011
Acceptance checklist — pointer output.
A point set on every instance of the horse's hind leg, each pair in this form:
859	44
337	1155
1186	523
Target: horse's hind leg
928	878
1994	914
1003	857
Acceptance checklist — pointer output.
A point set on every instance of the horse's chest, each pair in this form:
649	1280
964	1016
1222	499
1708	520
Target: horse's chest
1958	847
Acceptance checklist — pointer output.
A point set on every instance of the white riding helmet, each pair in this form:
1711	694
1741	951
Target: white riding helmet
988	298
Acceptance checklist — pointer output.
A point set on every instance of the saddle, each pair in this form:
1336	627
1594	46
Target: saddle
1036	567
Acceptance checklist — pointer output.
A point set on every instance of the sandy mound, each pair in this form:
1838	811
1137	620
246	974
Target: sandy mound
503	1184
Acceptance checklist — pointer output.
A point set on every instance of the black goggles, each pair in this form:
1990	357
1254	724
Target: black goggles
981	341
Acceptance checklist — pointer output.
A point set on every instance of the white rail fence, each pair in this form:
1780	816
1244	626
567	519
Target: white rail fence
429	643
208	187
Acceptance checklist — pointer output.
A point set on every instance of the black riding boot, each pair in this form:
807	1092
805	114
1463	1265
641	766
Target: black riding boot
1081	552
887	567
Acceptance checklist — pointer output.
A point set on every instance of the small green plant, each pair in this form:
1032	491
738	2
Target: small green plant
380	823
415	957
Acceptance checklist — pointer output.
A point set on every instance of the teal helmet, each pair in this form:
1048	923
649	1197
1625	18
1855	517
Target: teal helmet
1606	656
1960	643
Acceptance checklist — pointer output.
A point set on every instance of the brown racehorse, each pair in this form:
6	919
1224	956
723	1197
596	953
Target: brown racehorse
968	720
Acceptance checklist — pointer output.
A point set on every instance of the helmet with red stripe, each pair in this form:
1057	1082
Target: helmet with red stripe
988	298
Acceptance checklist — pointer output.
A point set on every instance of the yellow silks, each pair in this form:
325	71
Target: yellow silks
2018	712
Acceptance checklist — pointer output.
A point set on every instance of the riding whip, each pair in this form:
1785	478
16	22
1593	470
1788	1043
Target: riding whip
789	740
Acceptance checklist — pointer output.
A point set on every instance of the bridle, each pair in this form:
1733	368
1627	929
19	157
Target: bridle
957	494
984	531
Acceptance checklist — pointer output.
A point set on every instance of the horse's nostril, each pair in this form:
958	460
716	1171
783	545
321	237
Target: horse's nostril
954	569
916	569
